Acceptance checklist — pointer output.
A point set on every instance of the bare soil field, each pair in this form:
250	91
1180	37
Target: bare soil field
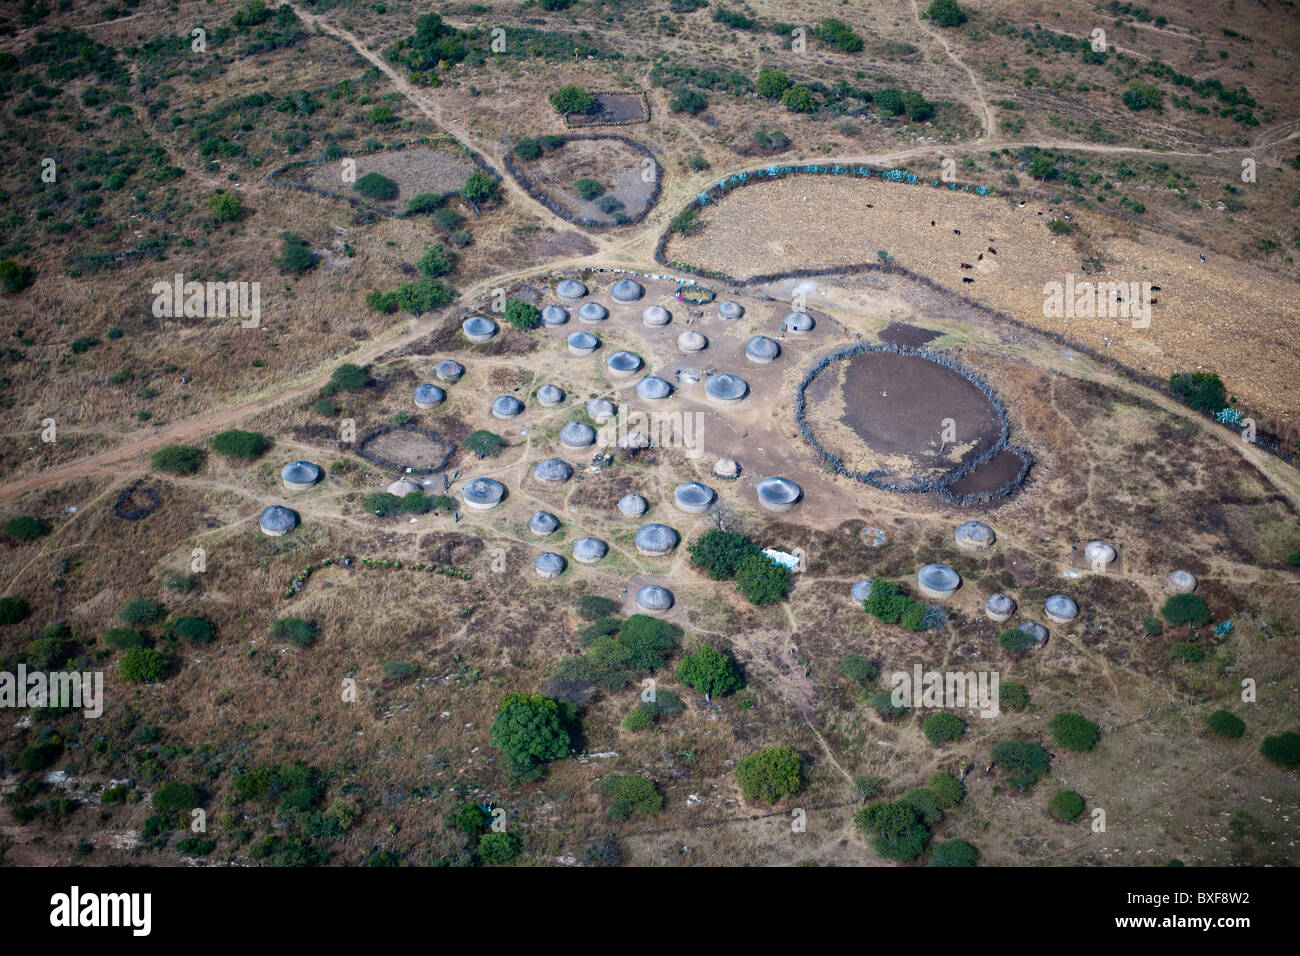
612	109
438	169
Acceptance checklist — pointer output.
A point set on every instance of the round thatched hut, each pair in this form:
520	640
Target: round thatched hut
656	539
999	607
652	388
478	328
654	599
427	395
1099	554
693	497
762	350
576	435
656	315
633	505
583	343
778	494
548	396
621	364
550	565
861	590
799	322
592	313
691	341
449	370
506	406
601	410
1060	609
730	309
626	290
570	289
404	486
974	536
727	469
554	315
300	475
552	471
482	494
543	523
277	520
726	389
1181	582
938	581
589	550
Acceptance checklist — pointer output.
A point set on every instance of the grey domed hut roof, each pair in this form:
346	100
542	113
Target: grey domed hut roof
623	363
633	505
404	486
1034	630
589	550
552	471
506	406
570	289
449	370
656	538
426	395
1098	553
654	598
601	410
592	312
778	494
548	396
1060	609
550	565
653	388
861	590
693	497
1182	581
555	315
937	580
478	328
974	535
656	315
543	523
483	493
627	290
300	474
726	389
633	439
691	341
583	343
760	349
999	607
277	520
576	434
799	322
726	468
730	309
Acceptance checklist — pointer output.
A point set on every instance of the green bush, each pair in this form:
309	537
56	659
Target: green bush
38	756
374	186
1282	749
530	732
1074	732
925	804
772	83
436	261
175	795
295	630
799	99
588	188
1143	96
1013	696
139	611
195	846
942	728
769	774
423	203
123	638
630	796
479	187
639	719
720	553
684	222
609	204
1203	391
1186	609
647	640
1024	762
323	406
498	848
868	787
889	604
25	528
573	99
1152	625
1015	640
347	378
295	254
762	580
527	149
483	443
239	444
1186	652
522	315
193	629
861	670
947	789
710	672
688	100
13	277
225	207
142	664
1041	167
838	34
177	459
400	670
954	853
592	607
946	13
381	504
1066	805
447	218
1226	724
13	610
898	833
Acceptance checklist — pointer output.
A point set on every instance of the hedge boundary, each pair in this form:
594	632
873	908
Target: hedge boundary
528	185
155	502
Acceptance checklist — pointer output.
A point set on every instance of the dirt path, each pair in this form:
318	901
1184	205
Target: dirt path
985	110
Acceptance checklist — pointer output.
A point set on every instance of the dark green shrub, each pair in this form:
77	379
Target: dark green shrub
347	378
942	728
123	638
239	444
175	795
483	443
1013	696
946	13
324	406
592	607
772	83
527	149
688	100
139	611
436	261
374	186
479	188
1203	391
141	664
1015	640
447	218
898	834
225	207
799	99
195	846
1152	625
710	672
1226	724
861	670
639	719
25	528
1282	749
1023	761
498	848
1074	732
762	580
400	670
720	553
631	796
295	254
1186	609
424	203
769	774
954	853
588	188
193	629
947	789
13	277
1186	652
295	630
883	703
177	459
925	804
522	315
38	756
530	732
13	610
573	99
1066	805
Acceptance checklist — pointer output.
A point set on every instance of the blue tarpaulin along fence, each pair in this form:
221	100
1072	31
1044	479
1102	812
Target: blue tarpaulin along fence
837	169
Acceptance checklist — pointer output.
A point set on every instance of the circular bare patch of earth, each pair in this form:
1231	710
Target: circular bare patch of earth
900	419
402	448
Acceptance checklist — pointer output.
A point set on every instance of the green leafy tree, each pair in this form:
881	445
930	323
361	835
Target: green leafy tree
946	13
588	188
141	664
295	255
947	789
897	832
295	630
374	185
522	315
1066	805
347	378
773	83
710	672
225	207
1024	762
761	580
770	774
942	728
527	149
139	611
720	553
1226	724
177	459
479	188
953	853
530	732
684	222
1282	749
240	444
917	107
859	669
1203	391
13	277
437	261
483	443
799	99
889	101
647	640
25	528
837	33
1143	96
1186	609
688	100
1074	732
1041	167
13	610
175	795
496	849
573	99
